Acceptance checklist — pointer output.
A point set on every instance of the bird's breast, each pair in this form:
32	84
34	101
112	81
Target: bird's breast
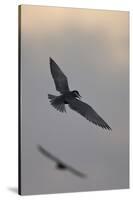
67	98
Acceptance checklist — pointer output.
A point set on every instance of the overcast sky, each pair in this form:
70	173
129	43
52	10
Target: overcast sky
91	47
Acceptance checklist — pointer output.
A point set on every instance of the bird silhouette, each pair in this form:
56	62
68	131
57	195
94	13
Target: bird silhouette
60	165
72	98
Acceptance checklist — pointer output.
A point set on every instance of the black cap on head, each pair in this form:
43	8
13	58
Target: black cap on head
76	94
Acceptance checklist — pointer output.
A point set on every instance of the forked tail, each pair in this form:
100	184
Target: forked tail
51	97
56	102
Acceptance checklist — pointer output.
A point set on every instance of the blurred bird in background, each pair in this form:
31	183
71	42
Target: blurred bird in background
60	165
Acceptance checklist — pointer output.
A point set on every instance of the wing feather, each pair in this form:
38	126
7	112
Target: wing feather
59	77
88	112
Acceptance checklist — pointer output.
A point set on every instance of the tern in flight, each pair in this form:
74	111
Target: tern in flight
60	165
72	98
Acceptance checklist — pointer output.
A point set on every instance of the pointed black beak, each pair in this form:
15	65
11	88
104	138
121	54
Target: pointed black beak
79	96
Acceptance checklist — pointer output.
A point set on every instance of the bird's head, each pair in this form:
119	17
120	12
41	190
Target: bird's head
76	94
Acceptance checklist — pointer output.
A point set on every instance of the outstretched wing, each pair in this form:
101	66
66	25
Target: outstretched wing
47	154
59	164
87	111
59	77
76	172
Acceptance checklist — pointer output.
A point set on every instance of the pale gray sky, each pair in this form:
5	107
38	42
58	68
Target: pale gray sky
92	49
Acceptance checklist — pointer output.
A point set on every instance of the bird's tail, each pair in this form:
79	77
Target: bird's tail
56	102
51	97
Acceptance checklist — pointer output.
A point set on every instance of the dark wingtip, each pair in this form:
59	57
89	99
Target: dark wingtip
84	175
109	128
39	147
51	60
106	127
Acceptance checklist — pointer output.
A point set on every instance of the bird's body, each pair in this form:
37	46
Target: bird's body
61	166
63	98
66	97
72	98
59	101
